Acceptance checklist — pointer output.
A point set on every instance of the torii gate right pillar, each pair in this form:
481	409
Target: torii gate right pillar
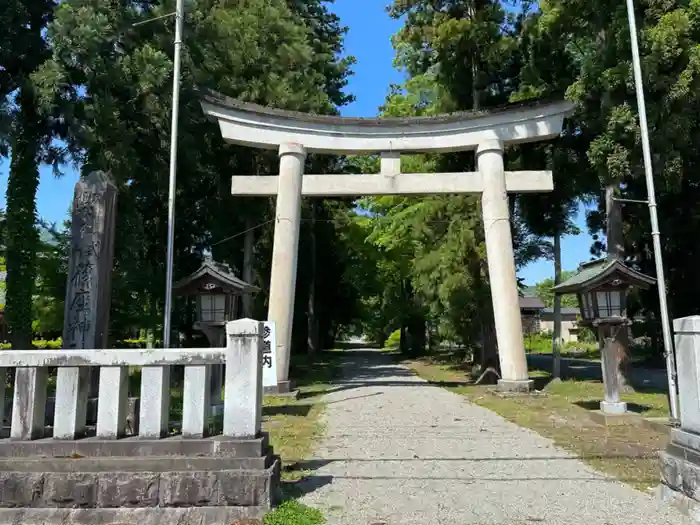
501	264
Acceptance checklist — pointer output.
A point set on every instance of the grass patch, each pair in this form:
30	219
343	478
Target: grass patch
295	425
294	513
542	344
626	452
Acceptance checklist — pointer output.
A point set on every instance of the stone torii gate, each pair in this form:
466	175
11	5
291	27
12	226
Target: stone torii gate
486	132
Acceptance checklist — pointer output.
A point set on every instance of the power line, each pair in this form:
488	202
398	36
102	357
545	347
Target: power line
243	232
308	220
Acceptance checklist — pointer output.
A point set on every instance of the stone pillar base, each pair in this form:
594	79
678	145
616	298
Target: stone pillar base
613	408
612	420
282	389
508	385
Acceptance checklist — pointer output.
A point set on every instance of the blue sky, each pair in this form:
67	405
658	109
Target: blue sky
369	40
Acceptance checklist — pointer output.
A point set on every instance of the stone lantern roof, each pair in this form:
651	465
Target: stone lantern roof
597	273
213	277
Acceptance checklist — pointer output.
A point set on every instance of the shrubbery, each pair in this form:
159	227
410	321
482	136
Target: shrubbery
54	344
40	344
542	344
393	341
141	342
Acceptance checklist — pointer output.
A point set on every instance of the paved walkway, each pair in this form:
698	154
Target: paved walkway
399	451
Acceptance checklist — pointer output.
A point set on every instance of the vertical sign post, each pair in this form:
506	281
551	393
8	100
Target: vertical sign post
268	355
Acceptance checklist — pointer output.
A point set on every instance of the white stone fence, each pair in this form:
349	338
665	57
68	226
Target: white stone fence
242	400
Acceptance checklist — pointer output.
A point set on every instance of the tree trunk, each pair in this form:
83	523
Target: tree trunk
20	220
616	249
416	331
311	317
614	234
476	98
248	258
403	321
556	339
489	346
489	357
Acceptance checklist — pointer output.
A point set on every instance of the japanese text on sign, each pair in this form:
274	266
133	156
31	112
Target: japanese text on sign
269	352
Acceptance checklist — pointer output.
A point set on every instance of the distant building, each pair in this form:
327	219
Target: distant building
536	318
530	313
569	328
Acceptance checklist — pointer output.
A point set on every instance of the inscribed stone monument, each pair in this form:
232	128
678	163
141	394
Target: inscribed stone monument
88	294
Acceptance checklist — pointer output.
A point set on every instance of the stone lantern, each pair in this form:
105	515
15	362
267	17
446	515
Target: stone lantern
601	287
216	290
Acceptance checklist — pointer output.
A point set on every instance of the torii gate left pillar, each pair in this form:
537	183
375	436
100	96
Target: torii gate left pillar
285	254
295	134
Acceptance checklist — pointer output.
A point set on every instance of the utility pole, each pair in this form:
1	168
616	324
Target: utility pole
179	19
651	201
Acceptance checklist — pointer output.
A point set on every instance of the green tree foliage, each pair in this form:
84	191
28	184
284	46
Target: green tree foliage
460	56
416	265
23	49
593	67
117	78
480	56
52	274
543	290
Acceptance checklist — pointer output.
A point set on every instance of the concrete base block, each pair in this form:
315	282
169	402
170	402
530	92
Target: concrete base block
685	439
613	420
660	424
48	490
680	501
218	446
506	385
680	472
613	408
272	391
680	477
127	516
285	387
133	465
282	389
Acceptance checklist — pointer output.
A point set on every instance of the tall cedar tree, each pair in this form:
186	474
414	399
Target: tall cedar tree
23	49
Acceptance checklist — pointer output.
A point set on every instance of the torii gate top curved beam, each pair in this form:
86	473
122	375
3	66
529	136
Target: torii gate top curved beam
261	127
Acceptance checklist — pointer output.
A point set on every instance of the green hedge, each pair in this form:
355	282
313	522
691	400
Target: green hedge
54	344
132	343
41	344
393	341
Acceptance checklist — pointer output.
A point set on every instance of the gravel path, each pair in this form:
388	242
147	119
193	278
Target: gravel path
399	451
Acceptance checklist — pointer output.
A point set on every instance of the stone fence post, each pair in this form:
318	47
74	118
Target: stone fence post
680	462
687	339
243	390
